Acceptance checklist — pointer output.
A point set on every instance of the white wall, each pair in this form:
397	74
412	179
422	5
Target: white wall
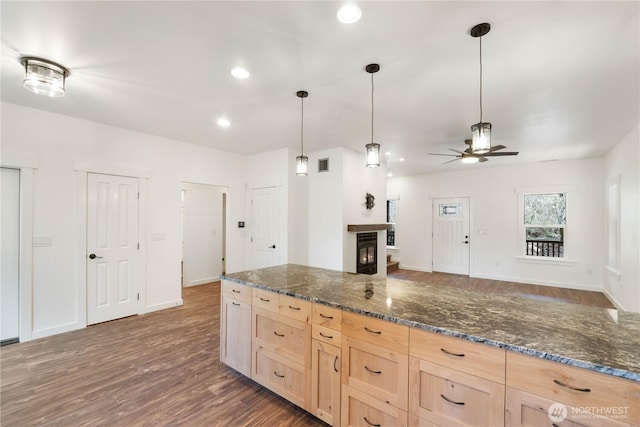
57	142
298	214
494	220
621	165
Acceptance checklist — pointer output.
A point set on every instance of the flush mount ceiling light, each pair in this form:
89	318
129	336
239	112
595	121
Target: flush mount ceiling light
373	149
469	158
349	13
302	161
481	131
44	77
240	73
223	122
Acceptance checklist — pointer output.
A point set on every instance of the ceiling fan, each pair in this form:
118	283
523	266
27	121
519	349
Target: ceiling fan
467	156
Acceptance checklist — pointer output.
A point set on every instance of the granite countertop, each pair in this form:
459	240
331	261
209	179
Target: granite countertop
602	340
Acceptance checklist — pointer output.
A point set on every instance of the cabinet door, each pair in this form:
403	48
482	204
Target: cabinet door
235	335
361	410
528	410
325	382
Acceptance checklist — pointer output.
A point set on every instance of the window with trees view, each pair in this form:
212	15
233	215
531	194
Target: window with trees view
545	222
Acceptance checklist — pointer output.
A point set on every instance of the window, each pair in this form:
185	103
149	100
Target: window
392	207
545	222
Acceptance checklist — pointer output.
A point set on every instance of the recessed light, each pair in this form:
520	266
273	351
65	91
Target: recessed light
389	175
401	159
388	153
240	73
223	122
349	13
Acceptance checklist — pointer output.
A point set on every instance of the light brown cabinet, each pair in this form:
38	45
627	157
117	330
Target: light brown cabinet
235	327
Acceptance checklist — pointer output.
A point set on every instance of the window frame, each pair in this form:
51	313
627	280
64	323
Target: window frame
395	224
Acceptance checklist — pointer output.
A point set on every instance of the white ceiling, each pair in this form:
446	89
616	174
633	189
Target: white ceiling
561	79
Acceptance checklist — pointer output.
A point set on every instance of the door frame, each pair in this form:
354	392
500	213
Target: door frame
431	199
82	168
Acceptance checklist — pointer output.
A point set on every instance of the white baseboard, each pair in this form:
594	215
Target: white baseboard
68	327
614	301
202	281
162	306
539	282
414	268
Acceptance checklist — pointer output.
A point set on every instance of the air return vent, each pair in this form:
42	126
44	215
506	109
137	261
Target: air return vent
323	165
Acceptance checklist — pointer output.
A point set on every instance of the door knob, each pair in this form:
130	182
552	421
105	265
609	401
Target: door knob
272	247
94	256
466	242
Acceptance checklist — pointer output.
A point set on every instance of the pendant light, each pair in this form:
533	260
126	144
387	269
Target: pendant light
373	149
481	131
44	77
302	161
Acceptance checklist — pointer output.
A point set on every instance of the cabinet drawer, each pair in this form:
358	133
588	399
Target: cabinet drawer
330	336
375	370
240	293
362	410
472	358
289	337
375	331
574	386
329	317
529	410
295	308
447	397
266	300
287	379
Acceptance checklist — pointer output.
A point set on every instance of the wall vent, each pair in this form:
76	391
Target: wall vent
323	165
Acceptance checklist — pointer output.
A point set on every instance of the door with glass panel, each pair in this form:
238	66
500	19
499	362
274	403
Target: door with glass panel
451	235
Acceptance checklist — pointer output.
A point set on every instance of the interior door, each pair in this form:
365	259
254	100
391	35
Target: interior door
264	228
451	235
10	277
112	247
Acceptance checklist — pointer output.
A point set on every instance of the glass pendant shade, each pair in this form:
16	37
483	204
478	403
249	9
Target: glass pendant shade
469	159
373	155
302	165
44	77
481	138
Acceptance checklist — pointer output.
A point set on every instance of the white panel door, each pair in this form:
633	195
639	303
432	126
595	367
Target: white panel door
264	228
10	290
112	247
451	235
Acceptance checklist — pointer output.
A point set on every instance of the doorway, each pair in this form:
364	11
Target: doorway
265	247
203	233
451	235
10	280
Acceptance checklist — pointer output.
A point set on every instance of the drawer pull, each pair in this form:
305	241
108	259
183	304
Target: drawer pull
277	334
294	308
561	384
334	364
235	303
235	291
372	332
372	371
554	425
326	336
452	354
451	401
370	423
326	317
277	374
264	299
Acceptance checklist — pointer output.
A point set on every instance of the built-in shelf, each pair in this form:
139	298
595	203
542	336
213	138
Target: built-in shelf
354	228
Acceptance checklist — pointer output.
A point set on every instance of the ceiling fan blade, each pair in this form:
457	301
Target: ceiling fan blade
439	154
482	159
504	153
455	151
453	160
496	148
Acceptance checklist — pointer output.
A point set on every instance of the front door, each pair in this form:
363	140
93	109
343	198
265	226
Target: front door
451	235
264	228
112	247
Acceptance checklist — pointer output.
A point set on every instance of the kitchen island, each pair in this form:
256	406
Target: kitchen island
405	353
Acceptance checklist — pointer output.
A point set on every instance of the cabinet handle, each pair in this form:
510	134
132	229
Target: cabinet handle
294	308
452	354
554	425
451	401
326	317
372	332
371	371
264	299
277	334
370	423
334	364
277	375
235	303
234	291
326	336
561	384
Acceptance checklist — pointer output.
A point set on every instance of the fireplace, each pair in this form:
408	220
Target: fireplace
367	253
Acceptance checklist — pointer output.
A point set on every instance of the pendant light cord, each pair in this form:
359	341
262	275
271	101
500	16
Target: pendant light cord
480	78
372	107
302	128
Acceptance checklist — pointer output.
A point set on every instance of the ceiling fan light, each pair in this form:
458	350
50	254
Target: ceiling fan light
469	159
44	77
373	155
481	138
302	165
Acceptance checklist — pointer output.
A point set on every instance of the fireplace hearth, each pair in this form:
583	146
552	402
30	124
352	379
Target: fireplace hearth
367	253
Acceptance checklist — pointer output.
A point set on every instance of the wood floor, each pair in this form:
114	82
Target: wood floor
163	368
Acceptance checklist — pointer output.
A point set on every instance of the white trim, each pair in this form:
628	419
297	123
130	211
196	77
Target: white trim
613	271
162	306
109	168
613	301
539	282
414	268
20	161
264	183
202	281
26	254
81	232
546	260
142	240
68	327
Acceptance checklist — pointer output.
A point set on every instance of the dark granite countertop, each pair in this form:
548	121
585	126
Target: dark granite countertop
602	340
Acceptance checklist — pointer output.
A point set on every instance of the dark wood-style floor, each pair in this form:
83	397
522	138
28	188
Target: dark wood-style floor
163	369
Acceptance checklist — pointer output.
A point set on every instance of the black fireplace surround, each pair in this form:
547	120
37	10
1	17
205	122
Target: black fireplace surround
367	253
